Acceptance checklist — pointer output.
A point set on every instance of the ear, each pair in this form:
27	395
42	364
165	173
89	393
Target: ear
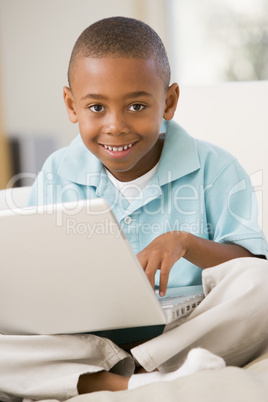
70	105
172	97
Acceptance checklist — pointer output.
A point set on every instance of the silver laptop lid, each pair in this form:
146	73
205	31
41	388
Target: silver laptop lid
68	268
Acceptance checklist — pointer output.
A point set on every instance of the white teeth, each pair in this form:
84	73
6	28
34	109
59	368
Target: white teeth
118	148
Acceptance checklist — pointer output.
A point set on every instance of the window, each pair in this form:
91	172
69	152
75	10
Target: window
215	40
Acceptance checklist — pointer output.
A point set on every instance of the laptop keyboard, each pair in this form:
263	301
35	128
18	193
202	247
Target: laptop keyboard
175	300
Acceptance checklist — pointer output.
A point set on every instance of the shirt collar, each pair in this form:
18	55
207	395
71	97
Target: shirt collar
179	157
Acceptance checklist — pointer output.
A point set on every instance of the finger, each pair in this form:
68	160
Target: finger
145	264
143	260
164	275
150	272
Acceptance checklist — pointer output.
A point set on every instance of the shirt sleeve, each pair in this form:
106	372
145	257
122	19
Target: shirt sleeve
232	210
49	187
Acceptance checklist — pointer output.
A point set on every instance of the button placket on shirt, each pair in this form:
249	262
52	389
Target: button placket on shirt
128	220
129	226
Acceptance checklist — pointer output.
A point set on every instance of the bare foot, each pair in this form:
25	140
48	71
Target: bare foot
101	381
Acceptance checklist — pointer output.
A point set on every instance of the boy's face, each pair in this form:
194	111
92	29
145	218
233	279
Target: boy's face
119	104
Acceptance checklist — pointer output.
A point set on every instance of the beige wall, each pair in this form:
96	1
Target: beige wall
36	38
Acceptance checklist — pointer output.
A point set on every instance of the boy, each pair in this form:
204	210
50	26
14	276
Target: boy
119	94
177	200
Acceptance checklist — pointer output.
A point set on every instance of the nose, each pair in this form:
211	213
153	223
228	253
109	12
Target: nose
115	123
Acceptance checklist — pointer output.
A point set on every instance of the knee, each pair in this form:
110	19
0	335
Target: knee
254	273
241	276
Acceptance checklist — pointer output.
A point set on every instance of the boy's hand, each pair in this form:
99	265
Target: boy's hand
166	249
162	253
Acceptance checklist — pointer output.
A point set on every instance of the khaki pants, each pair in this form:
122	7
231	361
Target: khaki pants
232	322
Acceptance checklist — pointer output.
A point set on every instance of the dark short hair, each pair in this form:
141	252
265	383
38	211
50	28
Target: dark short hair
121	37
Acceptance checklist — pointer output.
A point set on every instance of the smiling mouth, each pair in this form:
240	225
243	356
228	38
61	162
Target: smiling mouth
118	149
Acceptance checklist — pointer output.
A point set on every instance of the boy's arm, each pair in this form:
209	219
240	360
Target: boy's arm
165	250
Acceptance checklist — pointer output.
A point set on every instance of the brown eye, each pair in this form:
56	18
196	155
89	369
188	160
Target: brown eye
137	107
96	108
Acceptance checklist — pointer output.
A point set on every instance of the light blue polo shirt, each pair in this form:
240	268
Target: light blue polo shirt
197	188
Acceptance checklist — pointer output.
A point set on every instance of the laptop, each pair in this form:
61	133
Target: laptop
68	268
